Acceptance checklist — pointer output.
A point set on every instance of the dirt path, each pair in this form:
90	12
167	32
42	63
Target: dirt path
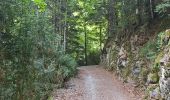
94	83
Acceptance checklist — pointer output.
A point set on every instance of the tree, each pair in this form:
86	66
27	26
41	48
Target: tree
163	8
32	61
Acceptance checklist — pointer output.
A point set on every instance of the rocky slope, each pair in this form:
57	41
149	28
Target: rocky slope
142	60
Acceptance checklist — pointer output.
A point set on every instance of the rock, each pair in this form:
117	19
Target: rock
165	60
165	72
168	97
166	37
121	63
137	68
164	82
155	94
122	59
166	40
168	31
152	78
136	71
122	54
165	88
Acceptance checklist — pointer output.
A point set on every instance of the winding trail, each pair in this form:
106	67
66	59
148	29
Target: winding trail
95	83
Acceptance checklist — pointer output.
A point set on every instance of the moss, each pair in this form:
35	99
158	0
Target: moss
168	65
113	60
161	37
153	77
150	88
127	46
126	72
149	50
165	23
158	58
167	33
144	73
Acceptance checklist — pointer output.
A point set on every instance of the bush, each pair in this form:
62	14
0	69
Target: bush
149	50
32	62
93	57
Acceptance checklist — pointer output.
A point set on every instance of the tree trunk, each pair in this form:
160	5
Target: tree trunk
100	37
85	44
111	18
151	9
138	12
65	26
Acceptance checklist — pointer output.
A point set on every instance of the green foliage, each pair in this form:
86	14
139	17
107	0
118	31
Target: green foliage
36	37
94	57
41	4
160	40
162	44
153	49
68	66
32	62
88	18
163	7
149	50
153	77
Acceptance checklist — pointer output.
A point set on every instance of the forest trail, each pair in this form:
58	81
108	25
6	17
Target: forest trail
95	83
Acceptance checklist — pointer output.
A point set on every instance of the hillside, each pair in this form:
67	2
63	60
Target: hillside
142	59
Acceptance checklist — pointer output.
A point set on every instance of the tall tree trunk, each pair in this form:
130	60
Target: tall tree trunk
138	12
151	8
100	37
111	18
85	44
65	26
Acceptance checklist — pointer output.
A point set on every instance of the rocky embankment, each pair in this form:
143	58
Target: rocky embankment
143	61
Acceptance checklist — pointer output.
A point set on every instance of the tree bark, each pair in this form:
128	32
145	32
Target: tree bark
138	12
85	44
100	37
111	18
65	26
151	9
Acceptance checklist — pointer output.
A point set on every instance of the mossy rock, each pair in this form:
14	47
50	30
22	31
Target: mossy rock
155	94
167	32
168	65
150	88
143	74
158	58
126	72
50	98
153	78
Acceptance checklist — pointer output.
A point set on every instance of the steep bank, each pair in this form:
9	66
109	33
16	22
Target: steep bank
142	58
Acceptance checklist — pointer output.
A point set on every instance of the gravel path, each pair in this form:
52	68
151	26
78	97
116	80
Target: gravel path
95	83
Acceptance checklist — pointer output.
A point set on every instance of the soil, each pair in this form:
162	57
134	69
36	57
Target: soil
95	83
